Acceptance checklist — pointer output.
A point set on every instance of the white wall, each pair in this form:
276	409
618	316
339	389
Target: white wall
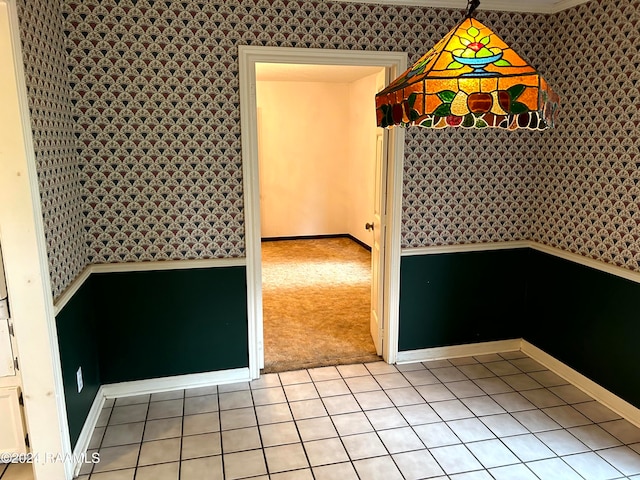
317	157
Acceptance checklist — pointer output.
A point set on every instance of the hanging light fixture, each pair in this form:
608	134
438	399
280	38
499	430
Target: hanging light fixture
469	79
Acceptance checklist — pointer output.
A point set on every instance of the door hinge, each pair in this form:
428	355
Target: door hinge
15	363
21	400
11	330
26	440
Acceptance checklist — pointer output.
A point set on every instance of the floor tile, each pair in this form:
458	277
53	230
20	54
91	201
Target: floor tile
419	414
386	418
536	421
124	434
377	468
364	445
324	452
392	380
243	464
132	400
562	442
521	382
308	409
542	398
241	440
380	368
94	442
513	402
324	373
492	453
463	361
205	445
164	428
596	412
512	472
298	376
438	363
451	410
470	430
103	417
341	404
202	423
464	389
591	466
266	380
570	394
231	387
342	471
527	364
436	435
417	464
279	434
197	391
401	397
622	458
623	431
352	423
420	377
528	448
164	471
160	451
200	404
246	417
128	414
448	374
116	458
477	475
300	391
493	385
482	406
232	400
276	413
286	457
553	469
302	474
594	437
373	400
316	428
503	425
548	379
362	384
502	368
166	409
455	459
330	388
356	370
476	371
267	396
399	440
126	474
435	393
171	395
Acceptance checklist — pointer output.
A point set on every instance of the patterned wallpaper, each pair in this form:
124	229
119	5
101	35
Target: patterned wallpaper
54	138
154	88
589	198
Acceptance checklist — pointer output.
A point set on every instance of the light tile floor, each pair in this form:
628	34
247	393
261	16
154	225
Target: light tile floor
501	417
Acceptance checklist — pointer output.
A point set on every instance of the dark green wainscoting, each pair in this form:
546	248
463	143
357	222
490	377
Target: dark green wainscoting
589	320
77	341
172	322
459	298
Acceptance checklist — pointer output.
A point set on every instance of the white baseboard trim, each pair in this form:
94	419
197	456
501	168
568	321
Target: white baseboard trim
455	351
166	384
601	394
87	431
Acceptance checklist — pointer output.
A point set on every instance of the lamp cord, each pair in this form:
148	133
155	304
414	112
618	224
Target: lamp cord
472	5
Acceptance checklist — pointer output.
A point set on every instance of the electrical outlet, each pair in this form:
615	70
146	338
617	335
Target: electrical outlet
79	379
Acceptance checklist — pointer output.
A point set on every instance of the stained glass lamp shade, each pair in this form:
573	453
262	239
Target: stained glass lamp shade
470	79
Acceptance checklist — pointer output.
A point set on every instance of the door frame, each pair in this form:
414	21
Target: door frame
394	63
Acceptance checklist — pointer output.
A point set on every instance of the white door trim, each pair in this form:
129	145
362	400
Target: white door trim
26	267
395	63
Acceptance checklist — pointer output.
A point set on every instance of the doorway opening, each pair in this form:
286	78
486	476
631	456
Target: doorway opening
388	151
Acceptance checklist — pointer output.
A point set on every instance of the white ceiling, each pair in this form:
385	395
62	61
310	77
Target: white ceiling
537	6
312	73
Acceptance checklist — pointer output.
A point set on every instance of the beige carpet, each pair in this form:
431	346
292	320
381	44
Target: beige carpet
316	302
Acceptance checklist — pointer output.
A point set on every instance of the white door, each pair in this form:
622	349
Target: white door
377	248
